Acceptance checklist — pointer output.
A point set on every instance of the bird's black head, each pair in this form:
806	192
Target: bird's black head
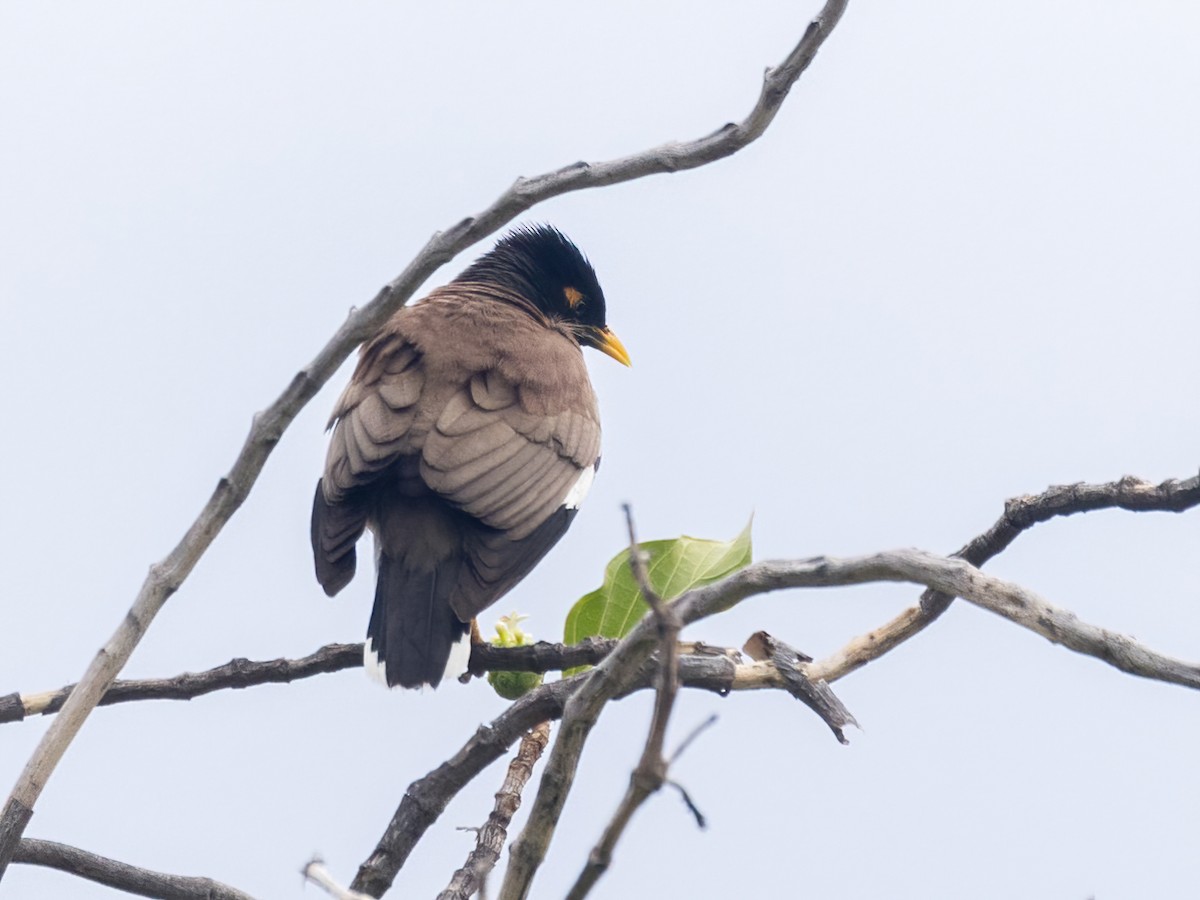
541	264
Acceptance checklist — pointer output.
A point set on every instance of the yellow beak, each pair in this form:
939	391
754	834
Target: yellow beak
609	344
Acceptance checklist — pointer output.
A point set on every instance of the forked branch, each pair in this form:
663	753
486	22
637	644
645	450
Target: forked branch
1020	514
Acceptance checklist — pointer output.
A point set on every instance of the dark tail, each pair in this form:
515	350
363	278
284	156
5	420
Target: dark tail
413	631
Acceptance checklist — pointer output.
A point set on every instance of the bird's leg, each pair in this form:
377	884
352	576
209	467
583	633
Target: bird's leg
476	640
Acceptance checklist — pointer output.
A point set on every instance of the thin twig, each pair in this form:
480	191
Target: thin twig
692	735
166	577
122	876
1020	514
701	822
315	872
651	771
468	880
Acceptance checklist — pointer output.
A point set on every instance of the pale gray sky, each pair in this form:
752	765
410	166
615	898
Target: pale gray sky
961	266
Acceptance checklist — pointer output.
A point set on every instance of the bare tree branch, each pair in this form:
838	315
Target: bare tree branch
244	673
813	693
541	656
614	676
167	576
1020	514
426	797
122	876
951	576
468	880
703	666
237	673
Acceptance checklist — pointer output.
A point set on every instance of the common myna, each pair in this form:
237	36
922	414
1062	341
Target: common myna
465	441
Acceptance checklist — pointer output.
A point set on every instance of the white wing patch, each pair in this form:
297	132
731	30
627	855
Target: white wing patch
580	488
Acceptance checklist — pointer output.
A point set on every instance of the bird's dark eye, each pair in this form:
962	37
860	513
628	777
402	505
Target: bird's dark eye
575	299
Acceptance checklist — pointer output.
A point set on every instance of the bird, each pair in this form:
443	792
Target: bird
465	442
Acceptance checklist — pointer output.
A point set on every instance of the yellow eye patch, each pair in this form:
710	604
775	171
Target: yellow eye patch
574	297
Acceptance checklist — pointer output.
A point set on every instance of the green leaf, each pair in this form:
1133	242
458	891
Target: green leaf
675	566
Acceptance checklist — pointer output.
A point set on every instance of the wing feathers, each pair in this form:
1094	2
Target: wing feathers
380	426
498	561
461	416
336	528
399	357
527	513
403	389
490	391
496	506
454	455
500	476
